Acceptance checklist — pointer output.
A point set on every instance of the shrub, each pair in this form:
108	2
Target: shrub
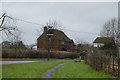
19	53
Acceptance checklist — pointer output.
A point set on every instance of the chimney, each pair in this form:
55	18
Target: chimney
45	29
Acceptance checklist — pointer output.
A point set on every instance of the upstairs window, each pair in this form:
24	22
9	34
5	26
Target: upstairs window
62	42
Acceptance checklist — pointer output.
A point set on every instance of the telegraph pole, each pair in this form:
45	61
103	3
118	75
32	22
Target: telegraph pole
118	42
49	34
49	40
118	53
118	46
118	62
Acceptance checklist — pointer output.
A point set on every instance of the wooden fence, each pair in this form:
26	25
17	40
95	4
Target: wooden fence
104	62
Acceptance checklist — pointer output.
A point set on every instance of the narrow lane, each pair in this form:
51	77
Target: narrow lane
12	62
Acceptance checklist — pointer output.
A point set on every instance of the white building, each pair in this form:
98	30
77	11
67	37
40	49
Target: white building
101	41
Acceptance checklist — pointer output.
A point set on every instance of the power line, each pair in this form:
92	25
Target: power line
83	32
42	25
24	20
28	21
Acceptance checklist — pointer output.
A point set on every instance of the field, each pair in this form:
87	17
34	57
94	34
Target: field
37	69
28	70
79	70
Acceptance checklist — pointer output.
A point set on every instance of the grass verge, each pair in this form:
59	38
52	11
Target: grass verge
28	70
79	70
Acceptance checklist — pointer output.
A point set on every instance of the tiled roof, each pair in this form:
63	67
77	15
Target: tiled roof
104	40
60	35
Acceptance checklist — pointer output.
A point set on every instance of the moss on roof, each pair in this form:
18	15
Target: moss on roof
60	35
104	40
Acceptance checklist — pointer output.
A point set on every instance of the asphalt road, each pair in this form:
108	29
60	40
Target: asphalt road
12	62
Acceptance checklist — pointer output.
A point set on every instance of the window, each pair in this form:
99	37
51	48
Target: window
62	42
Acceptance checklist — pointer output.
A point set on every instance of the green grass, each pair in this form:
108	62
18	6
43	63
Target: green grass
79	70
0	71
28	70
36	70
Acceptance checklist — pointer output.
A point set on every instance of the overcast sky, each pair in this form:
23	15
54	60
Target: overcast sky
78	16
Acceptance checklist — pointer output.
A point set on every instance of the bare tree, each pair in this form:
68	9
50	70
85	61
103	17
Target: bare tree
16	37
3	19
79	41
110	29
54	24
8	26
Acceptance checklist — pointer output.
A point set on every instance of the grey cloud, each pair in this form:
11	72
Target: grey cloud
84	17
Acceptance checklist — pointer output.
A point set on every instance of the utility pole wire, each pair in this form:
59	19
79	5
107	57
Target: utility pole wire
83	32
23	20
7	30
9	17
65	29
3	28
2	21
2	15
42	25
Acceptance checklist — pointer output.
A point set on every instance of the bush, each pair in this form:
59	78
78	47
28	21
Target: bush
19	53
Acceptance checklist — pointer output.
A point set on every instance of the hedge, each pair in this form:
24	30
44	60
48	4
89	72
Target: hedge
12	53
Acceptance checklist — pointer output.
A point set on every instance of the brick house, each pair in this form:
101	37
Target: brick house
59	41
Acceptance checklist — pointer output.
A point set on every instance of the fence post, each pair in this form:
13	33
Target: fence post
108	64
86	59
96	62
113	64
101	62
105	62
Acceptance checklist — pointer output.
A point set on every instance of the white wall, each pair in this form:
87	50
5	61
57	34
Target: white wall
98	44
